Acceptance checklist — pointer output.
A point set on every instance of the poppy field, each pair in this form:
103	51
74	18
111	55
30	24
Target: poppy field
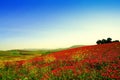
95	62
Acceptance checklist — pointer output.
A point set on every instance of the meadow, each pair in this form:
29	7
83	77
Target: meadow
95	62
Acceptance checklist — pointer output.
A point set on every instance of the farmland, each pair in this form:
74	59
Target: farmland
95	62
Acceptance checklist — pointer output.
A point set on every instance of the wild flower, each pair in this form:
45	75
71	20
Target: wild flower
97	62
49	58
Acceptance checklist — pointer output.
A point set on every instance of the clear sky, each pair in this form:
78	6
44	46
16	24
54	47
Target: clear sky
57	23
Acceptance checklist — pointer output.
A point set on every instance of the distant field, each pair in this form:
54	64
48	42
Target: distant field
16	55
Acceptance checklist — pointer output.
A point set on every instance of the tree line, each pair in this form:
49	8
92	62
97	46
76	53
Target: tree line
104	41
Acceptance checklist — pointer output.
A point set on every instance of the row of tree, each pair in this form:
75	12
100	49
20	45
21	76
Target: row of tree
104	41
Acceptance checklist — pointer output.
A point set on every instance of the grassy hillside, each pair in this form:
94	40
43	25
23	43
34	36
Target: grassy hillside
28	53
75	46
15	55
95	62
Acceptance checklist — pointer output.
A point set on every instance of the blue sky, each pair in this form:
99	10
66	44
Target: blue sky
57	23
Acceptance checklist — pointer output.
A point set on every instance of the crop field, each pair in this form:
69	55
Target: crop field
95	62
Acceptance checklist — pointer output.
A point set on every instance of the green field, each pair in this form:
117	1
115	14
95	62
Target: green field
15	55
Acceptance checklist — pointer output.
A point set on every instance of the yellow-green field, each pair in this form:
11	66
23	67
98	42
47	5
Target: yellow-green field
16	55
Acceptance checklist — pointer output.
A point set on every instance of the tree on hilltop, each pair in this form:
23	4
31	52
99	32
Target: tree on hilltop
99	42
109	40
104	41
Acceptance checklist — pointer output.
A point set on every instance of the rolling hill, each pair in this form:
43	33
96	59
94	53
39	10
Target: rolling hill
94	62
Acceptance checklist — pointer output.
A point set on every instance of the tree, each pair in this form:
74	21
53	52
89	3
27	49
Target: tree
98	41
109	40
104	41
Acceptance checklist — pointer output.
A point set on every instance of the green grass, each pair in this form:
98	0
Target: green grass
12	55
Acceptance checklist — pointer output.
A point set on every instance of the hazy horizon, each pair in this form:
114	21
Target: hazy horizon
57	23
